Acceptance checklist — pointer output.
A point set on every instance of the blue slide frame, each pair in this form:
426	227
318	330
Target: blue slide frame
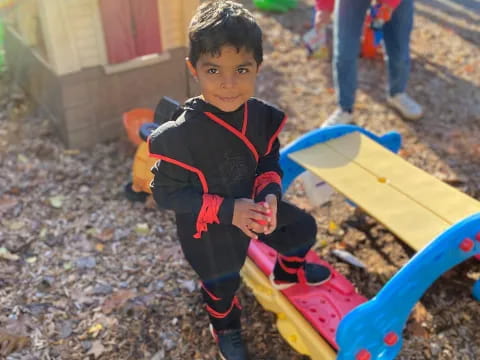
374	329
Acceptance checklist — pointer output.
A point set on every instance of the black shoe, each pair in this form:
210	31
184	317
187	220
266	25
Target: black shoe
315	274
230	343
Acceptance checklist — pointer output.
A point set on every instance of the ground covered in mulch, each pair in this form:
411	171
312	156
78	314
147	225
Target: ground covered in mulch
86	274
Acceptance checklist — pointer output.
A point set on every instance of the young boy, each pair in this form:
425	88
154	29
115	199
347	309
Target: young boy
219	172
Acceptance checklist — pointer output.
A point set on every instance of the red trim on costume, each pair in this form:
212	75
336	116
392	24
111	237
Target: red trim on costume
262	180
235	132
212	295
208	213
219	315
272	139
301	276
199	173
287	269
300	271
291	258
245	119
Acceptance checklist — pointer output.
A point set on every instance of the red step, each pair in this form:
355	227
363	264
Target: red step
323	306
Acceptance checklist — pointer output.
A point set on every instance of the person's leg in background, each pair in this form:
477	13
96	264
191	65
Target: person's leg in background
396	34
348	20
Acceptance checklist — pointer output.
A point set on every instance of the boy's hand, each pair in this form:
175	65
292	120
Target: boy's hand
322	19
250	217
271	205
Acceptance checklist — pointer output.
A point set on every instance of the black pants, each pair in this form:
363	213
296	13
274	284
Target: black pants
295	235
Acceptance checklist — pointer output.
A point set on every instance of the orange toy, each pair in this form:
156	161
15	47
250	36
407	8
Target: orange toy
377	16
133	120
139	123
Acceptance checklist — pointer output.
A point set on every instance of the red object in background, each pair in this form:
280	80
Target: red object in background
133	120
131	29
146	27
117	26
369	49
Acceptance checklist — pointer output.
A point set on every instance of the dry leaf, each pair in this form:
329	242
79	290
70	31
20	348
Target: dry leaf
117	300
10	343
56	201
420	313
95	330
7	202
97	349
105	235
7	255
416	329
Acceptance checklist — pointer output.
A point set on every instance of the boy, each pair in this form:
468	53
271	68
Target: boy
219	172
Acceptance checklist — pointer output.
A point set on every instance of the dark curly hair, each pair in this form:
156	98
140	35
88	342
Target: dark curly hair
222	22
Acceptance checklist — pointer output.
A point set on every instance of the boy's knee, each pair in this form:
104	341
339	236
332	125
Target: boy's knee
309	225
223	287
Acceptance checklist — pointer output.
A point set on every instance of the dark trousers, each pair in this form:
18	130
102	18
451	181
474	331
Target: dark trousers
295	235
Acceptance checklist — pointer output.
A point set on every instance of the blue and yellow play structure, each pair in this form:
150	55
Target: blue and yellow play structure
333	321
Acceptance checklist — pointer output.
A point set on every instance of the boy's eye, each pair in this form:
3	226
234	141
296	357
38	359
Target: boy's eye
242	70
212	71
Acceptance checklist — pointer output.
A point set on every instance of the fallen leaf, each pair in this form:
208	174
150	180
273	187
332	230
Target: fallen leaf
415	328
56	201
332	226
7	255
16	225
31	260
420	313
22	158
7	202
10	343
142	229
117	300
95	330
97	349
71	152
105	235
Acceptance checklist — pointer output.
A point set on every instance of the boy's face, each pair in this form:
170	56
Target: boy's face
228	80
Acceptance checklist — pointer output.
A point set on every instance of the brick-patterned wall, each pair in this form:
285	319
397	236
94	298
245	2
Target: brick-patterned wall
86	107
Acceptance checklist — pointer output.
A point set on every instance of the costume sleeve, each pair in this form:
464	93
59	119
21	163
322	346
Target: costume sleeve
269	174
268	178
172	189
325	5
174	185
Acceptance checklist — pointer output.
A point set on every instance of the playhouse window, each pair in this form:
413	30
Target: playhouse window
131	29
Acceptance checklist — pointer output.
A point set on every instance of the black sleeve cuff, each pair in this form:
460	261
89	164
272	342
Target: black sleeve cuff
272	188
225	213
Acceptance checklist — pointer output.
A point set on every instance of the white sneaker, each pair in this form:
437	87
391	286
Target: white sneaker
406	106
338	117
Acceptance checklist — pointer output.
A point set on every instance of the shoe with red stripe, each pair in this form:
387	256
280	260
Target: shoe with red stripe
230	343
289	271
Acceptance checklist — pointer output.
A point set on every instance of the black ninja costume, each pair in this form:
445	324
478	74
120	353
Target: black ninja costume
209	158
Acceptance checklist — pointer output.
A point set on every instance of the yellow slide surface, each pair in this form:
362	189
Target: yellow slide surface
411	203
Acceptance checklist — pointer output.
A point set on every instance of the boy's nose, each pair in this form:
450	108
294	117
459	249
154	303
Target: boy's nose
228	82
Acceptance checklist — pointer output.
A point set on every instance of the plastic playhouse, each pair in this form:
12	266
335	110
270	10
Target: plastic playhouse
333	321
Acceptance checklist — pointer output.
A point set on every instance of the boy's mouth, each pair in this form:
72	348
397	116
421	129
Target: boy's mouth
228	98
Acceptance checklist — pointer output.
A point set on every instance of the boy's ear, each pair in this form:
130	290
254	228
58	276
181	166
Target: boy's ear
259	66
191	68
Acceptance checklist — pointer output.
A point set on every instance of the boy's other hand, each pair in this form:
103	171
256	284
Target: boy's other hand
322	19
250	217
271	205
